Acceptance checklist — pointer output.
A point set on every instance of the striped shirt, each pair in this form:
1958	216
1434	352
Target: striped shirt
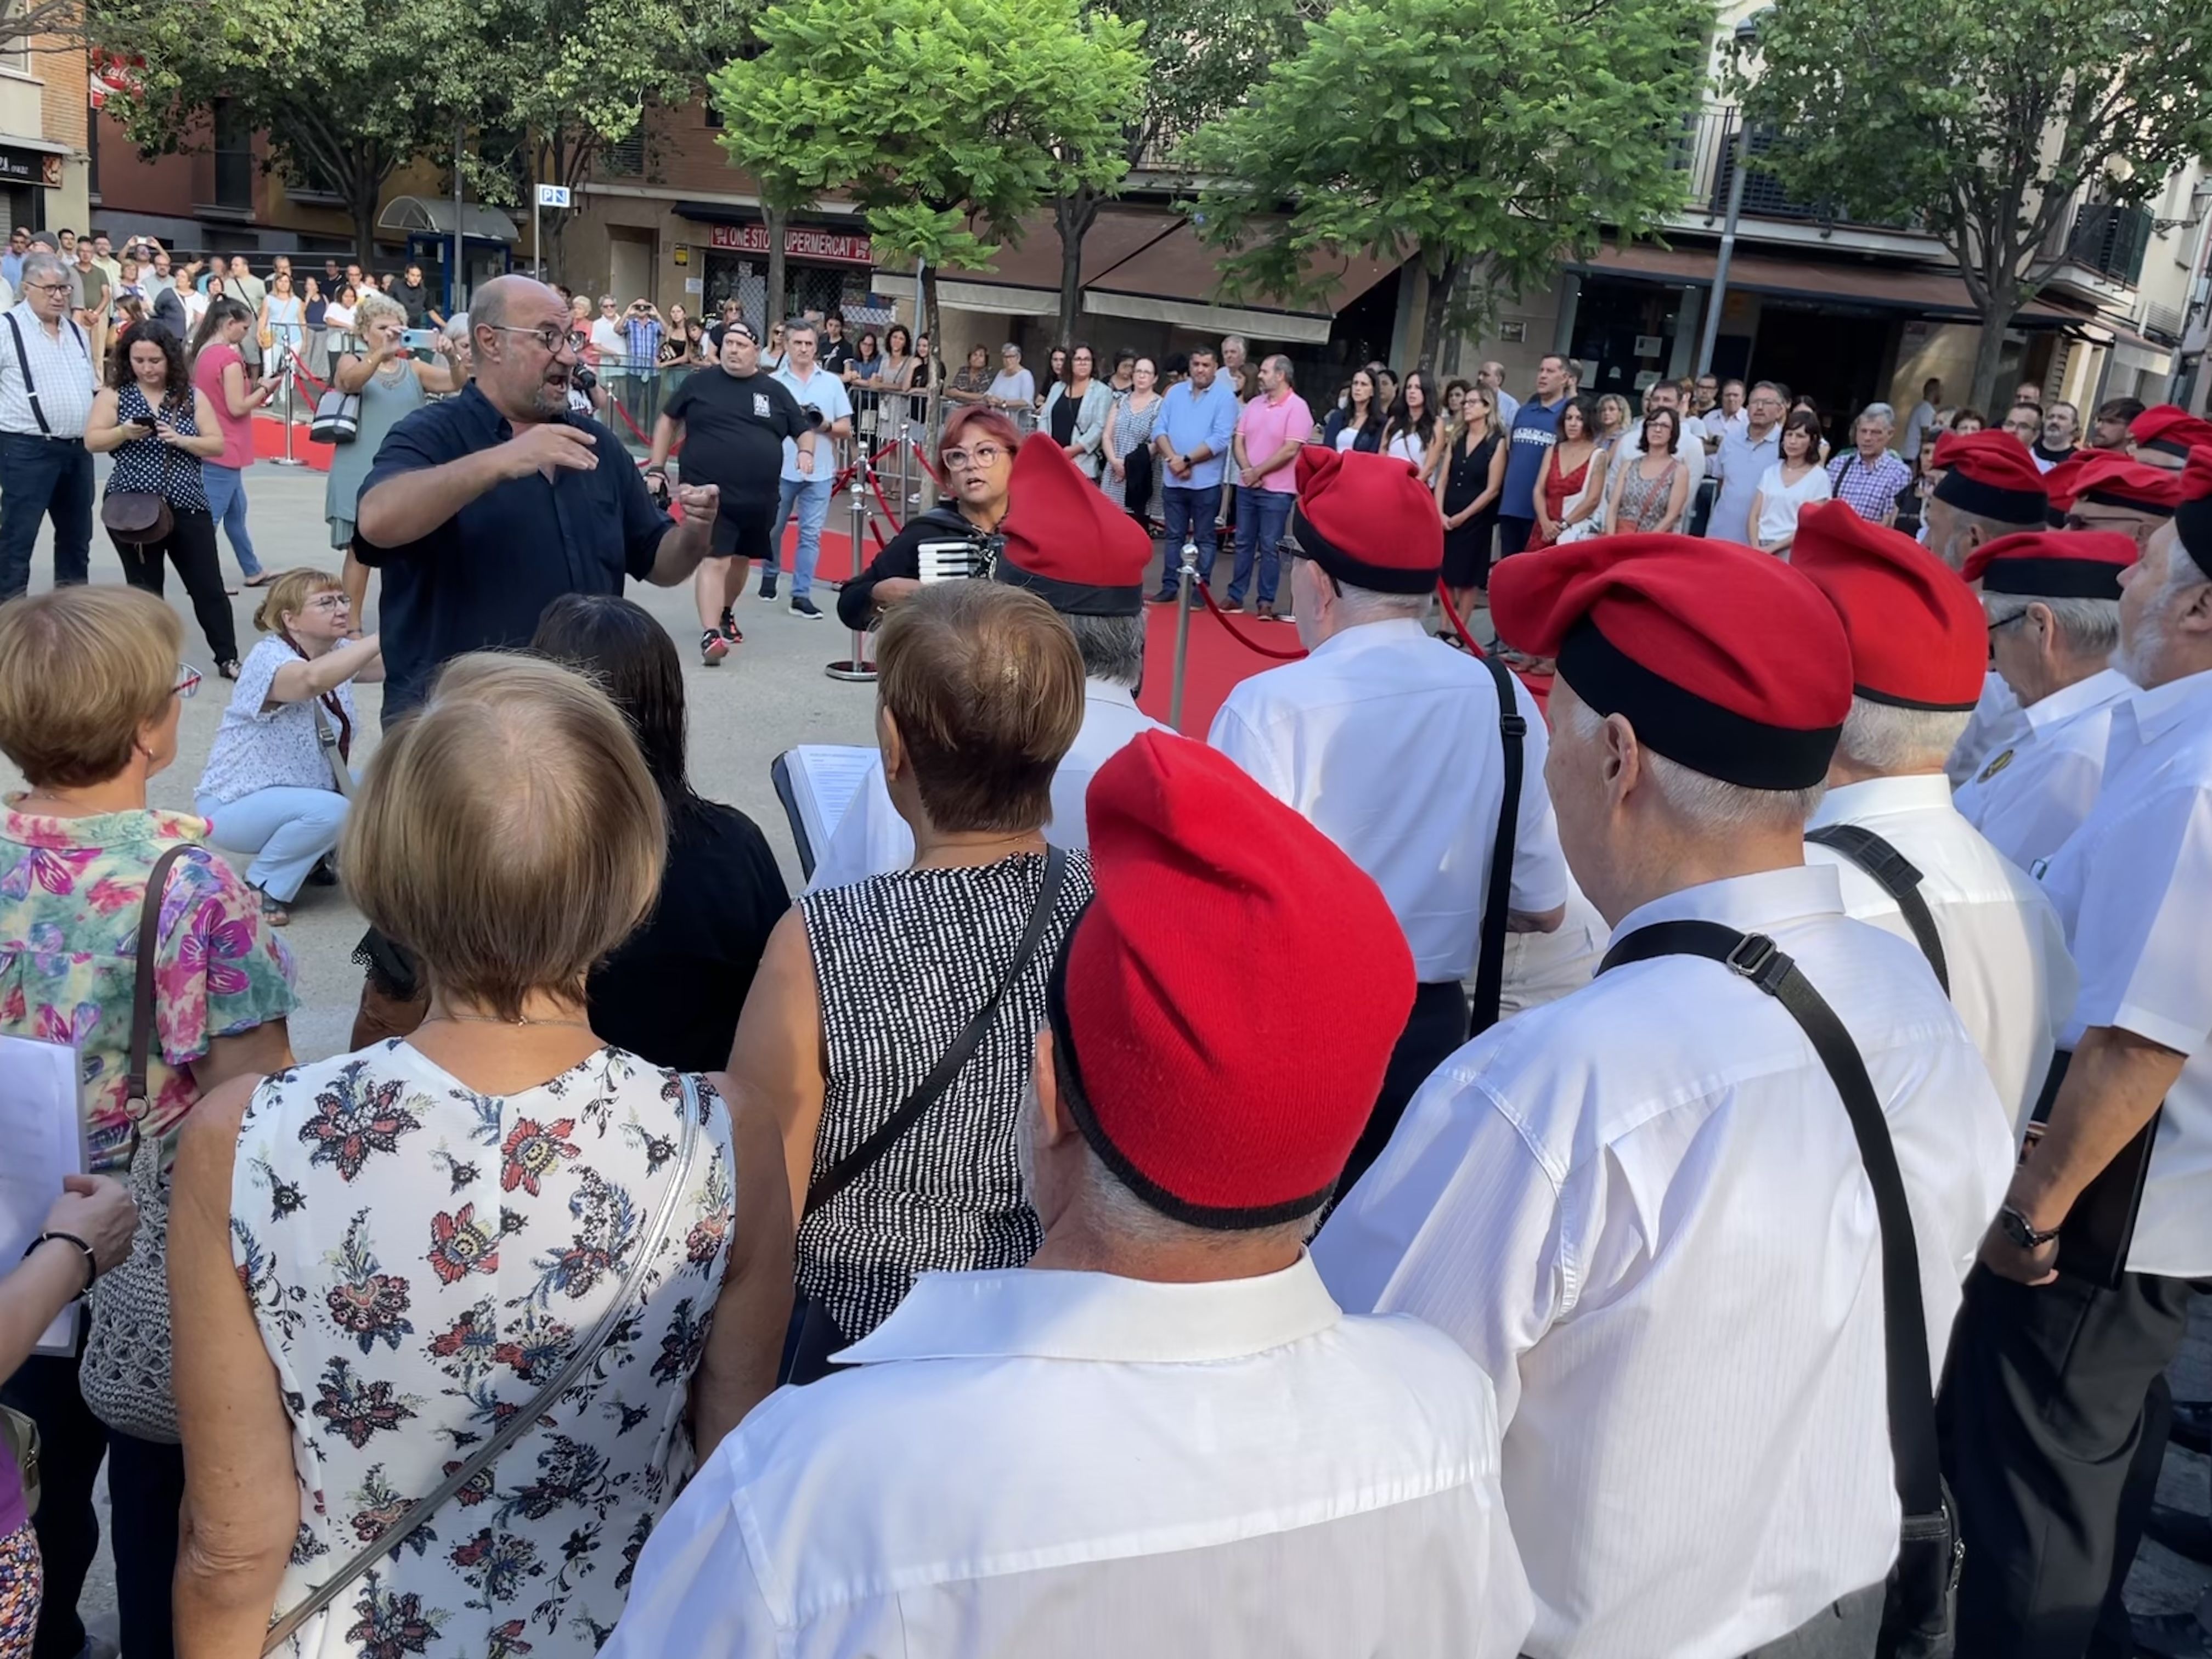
61	374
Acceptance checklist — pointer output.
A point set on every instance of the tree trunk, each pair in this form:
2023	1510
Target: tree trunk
1073	216
1441	285
1989	352
774	219
365	188
932	419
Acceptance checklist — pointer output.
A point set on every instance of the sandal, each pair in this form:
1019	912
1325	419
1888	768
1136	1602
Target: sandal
261	581
274	911
227	668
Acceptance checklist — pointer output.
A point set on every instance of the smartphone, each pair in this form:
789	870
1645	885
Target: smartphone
419	339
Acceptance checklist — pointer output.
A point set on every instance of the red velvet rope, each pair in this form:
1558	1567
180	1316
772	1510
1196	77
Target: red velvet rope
305	372
1238	634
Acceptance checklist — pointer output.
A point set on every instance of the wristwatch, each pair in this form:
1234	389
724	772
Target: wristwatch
2017	1228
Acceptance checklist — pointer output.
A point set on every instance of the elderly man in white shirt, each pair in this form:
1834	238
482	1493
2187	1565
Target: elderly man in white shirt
1910	863
1394	746
1064	541
1643	1209
2057	1404
47	385
2053	601
1161	1436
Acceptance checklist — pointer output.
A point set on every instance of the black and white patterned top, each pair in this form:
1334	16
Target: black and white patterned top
903	961
149	464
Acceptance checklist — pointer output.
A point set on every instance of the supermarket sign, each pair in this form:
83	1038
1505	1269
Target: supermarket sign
799	242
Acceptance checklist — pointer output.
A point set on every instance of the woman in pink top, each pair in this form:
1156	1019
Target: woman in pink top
219	370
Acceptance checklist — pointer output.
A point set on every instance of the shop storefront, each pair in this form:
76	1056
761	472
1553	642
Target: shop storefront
26	176
824	269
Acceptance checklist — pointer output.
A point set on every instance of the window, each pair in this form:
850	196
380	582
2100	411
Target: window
234	158
14	42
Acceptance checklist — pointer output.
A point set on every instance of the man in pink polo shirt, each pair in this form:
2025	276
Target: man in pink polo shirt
1266	448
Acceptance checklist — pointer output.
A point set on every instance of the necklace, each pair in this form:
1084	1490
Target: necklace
495	1019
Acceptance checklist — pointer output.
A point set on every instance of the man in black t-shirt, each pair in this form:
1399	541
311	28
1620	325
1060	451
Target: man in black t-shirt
837	349
733	425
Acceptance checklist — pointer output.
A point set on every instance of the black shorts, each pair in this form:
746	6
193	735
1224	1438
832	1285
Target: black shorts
741	530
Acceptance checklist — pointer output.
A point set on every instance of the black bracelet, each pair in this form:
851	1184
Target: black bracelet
91	1262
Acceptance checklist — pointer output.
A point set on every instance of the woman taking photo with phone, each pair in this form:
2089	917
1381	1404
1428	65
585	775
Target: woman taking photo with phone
160	428
219	373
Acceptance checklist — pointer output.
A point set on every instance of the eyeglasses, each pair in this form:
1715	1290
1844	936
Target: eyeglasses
552	340
48	287
327	602
188	681
981	456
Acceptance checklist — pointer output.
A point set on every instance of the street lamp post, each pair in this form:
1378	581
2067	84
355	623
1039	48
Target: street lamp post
1747	38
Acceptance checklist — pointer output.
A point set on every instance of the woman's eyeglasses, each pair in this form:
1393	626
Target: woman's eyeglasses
188	681
327	602
981	455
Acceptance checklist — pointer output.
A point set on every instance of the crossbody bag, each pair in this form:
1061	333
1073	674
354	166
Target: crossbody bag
521	1422
1897	876
1490	956
1919	1612
814	1332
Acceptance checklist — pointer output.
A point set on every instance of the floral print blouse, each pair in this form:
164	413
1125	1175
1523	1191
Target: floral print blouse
420	1258
70	895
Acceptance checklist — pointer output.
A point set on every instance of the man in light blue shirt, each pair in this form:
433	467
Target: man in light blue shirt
1197	421
805	482
1741	462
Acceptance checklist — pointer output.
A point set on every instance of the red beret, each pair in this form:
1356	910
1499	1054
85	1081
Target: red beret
1232	1114
2053	564
1917	634
1990	474
1066	542
2106	477
2192	520
2170	428
1724	658
1368	519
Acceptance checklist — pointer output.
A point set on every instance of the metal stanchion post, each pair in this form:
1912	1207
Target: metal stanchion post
857	667
287	458
1184	589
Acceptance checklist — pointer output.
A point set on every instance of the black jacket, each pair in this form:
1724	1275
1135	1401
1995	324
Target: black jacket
856	601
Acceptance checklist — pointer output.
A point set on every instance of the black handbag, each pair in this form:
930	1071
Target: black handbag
1920	1618
814	1334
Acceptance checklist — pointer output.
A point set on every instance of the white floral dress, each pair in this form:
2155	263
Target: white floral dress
420	1258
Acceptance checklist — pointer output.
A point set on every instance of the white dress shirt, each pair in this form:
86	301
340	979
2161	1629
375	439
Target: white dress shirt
1388	742
61	373
1642	1211
871	838
1689	449
1069	1464
2134	887
1997	721
2005	952
2034	792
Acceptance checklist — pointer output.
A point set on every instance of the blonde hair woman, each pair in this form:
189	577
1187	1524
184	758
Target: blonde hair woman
1470	469
276	781
498	1239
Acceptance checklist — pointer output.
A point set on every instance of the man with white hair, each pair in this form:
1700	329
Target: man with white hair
1491	377
1868	477
2052	598
1160	1436
47	385
1644	1209
2057	1405
1909	862
1401	752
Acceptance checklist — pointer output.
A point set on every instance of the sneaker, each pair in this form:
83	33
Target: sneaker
1232	607
1267	610
802	606
768	589
714	647
1167	596
730	630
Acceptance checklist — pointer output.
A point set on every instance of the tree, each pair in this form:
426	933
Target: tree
1487	139
945	120
1983	123
1206	53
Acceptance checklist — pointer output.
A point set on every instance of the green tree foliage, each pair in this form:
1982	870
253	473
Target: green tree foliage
1986	123
1488	138
945	120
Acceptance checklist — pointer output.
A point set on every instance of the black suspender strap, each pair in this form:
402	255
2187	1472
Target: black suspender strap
1490	959
1927	1570
30	386
1897	876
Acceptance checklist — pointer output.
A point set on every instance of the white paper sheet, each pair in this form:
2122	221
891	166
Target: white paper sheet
42	1126
817	782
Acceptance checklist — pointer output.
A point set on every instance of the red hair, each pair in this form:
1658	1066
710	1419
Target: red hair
984	422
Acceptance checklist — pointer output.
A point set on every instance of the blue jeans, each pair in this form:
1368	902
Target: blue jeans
225	494
38	477
1263	516
288	829
812	498
1187	514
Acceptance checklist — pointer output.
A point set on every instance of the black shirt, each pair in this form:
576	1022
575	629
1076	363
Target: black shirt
834	354
856	601
734	431
415	297
672	993
479	580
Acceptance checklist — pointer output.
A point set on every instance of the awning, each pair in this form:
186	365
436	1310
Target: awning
43	146
1923	293
1142	263
429	216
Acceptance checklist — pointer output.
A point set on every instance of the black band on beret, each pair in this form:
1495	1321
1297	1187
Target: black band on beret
2023	506
1071	598
2166	446
2113	498
1890	700
1717	742
2052	579
1349	568
2192	522
1069	1073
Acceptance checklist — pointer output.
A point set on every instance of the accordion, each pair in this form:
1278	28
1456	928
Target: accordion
957	557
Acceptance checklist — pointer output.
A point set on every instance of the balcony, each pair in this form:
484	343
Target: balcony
1706	153
2111	241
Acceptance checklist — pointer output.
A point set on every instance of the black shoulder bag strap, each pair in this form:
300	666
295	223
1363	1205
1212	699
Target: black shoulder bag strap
1897	876
1489	958
1919	1618
848	1169
30	386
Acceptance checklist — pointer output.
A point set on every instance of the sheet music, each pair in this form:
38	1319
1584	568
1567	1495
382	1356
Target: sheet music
822	778
42	1126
